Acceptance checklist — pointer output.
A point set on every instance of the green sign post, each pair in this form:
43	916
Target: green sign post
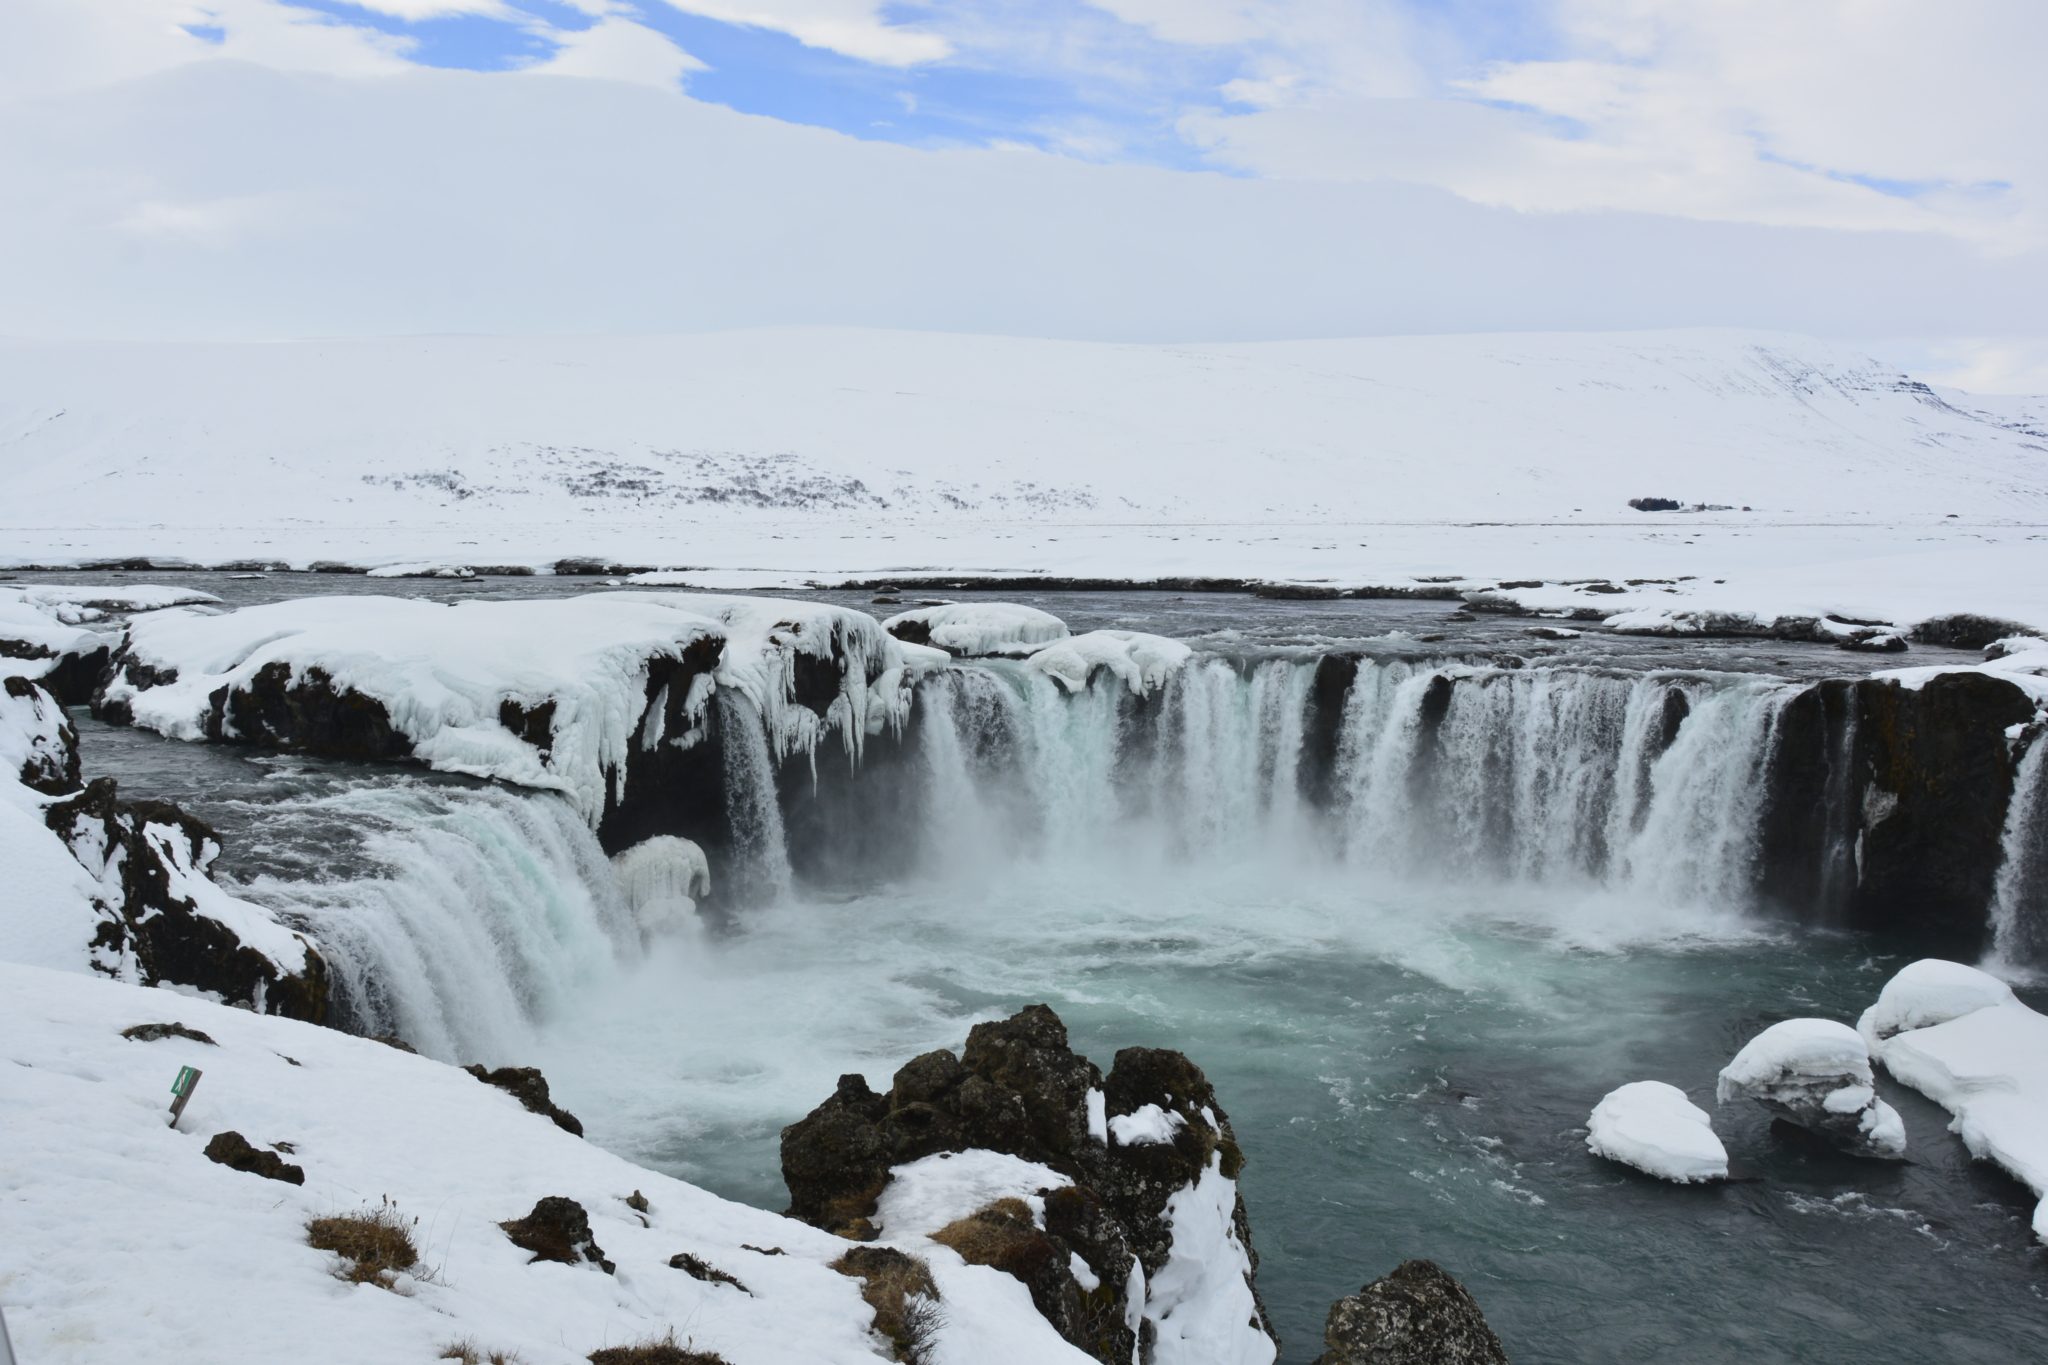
181	1090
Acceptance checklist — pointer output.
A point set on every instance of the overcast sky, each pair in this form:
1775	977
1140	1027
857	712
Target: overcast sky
1127	169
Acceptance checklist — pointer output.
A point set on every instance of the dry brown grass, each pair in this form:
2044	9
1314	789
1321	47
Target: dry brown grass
900	1289
375	1245
992	1235
467	1352
664	1351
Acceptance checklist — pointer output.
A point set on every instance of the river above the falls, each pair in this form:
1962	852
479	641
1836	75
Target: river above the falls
1408	1059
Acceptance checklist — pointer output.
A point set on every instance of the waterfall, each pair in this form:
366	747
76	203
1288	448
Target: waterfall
1652	784
2019	905
759	868
466	914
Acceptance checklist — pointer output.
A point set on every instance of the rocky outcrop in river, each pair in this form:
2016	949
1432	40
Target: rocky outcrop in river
1132	1163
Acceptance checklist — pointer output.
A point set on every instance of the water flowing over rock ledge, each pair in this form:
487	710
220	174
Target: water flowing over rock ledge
800	741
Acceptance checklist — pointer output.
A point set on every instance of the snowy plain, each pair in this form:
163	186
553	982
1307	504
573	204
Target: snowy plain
787	457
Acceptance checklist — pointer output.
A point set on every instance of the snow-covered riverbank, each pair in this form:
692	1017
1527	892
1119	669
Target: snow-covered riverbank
787	457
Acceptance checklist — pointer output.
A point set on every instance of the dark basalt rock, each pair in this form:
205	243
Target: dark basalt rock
533	724
558	1229
1297	592
1417	1315
311	714
71	677
698	1269
1017	1087
154	1033
163	935
235	1152
1936	778
1966	631
670	788
530	1088
1327	693
912	631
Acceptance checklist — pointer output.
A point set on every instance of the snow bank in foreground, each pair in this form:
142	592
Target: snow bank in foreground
1143	662
108	1206
925	1195
979	630
1653	1127
1200	1303
1962	1039
1816	1073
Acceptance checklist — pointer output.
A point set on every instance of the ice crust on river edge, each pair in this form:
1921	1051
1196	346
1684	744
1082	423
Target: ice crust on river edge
1960	1037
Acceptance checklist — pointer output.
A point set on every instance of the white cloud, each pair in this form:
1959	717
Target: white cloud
618	50
56	45
1990	365
461	201
852	28
1861	114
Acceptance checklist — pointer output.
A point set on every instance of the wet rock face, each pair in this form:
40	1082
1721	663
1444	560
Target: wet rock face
675	785
1938	780
530	1088
1130	1142
1417	1315
157	933
1886	805
311	714
45	737
558	1229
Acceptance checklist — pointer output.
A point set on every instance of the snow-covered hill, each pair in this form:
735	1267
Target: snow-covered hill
896	424
772	455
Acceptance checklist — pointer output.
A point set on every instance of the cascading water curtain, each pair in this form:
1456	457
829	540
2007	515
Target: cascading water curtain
476	913
2019	904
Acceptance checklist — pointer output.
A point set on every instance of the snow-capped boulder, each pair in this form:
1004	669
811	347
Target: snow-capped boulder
1925	993
1961	1038
1418	1314
1653	1127
978	630
1015	1143
1816	1073
1141	662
